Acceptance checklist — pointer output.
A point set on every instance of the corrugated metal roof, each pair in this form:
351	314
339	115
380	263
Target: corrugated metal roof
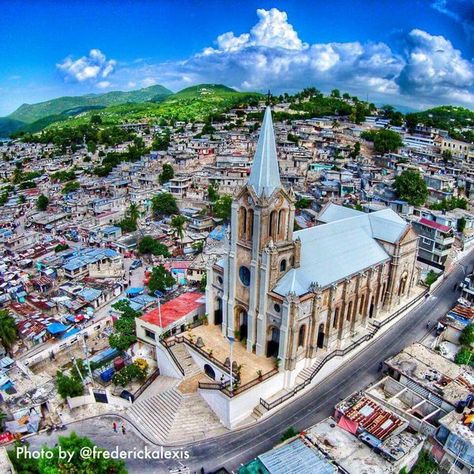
265	174
296	458
333	251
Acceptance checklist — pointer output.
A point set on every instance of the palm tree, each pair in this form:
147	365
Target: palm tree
177	224
133	212
8	329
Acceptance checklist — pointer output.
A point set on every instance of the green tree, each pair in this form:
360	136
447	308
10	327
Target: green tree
203	283
61	247
464	356
164	204
177	225
355	151
447	156
166	174
461	224
303	203
124	334
70	187
161	142
160	279
42	202
411	187
467	335
212	193
148	245
68	386
96	120
289	433
425	464
8	329
336	93
223	207
386	141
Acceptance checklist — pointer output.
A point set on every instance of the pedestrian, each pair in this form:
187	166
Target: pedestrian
123	430
114	425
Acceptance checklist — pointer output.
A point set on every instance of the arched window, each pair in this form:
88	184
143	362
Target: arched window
336	317
349	312
272	224
243	223
250	224
281	222
361	306
283	265
301	335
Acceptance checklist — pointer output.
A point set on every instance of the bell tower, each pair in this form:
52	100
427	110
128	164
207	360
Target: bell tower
261	244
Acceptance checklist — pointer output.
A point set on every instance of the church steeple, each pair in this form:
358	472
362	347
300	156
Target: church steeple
265	175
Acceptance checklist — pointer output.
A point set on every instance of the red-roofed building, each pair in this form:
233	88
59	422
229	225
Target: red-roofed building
435	242
175	313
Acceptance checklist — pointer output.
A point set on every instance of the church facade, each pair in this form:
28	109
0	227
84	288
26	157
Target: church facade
289	294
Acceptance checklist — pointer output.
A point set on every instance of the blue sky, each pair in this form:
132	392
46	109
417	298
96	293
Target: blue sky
414	52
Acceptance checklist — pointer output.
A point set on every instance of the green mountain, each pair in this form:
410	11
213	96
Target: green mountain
29	113
197	103
8	125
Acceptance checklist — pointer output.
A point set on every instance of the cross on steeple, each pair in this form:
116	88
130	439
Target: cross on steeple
269	97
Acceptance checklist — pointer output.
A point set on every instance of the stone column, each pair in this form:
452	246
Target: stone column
210	295
329	321
312	345
261	297
290	362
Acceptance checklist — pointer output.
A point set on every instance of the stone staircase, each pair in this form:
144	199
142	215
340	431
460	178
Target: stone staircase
161	384
185	359
194	421
372	330
157	413
306	373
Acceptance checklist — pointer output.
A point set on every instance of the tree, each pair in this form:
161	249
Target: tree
223	207
177	224
76	462
411	187
303	203
129	223
96	120
386	141
124	335
161	142
464	356
166	174
467	335
289	433
160	279
212	193
425	464
447	156
164	204
42	203
203	283
70	187
355	151
461	224
336	93
8	329
148	245
68	386
61	247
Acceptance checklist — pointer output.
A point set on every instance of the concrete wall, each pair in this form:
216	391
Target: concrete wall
89	398
166	364
233	410
44	350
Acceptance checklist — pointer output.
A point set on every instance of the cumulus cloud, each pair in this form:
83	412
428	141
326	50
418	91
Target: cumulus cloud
271	55
435	68
93	67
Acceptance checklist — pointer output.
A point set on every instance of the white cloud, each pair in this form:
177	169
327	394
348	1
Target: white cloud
434	68
93	67
271	55
103	84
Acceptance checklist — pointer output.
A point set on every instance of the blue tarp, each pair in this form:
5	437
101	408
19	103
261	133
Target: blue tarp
69	333
56	328
109	353
135	291
217	234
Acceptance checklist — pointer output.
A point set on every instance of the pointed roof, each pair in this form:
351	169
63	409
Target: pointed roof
265	175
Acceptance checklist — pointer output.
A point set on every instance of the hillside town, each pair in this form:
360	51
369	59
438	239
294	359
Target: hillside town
194	278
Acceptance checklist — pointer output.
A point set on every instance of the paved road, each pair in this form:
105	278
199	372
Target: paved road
233	449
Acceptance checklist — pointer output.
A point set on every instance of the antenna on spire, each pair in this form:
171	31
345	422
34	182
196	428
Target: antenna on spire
269	97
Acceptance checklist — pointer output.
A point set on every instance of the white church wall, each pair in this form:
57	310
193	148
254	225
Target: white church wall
165	363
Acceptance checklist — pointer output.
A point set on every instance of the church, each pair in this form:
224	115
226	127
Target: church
289	294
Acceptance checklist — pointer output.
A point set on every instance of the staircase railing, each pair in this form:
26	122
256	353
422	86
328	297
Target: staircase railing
147	383
338	353
167	345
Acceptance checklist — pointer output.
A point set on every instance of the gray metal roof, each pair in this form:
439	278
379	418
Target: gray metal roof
296	458
338	249
265	175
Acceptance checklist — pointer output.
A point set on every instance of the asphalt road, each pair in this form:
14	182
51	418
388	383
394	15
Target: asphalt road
239	447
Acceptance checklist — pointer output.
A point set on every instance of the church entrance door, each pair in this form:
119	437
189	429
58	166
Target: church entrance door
273	345
321	336
241	323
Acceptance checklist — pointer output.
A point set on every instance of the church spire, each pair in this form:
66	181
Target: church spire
265	175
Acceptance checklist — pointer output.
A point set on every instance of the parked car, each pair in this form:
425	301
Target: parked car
135	264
